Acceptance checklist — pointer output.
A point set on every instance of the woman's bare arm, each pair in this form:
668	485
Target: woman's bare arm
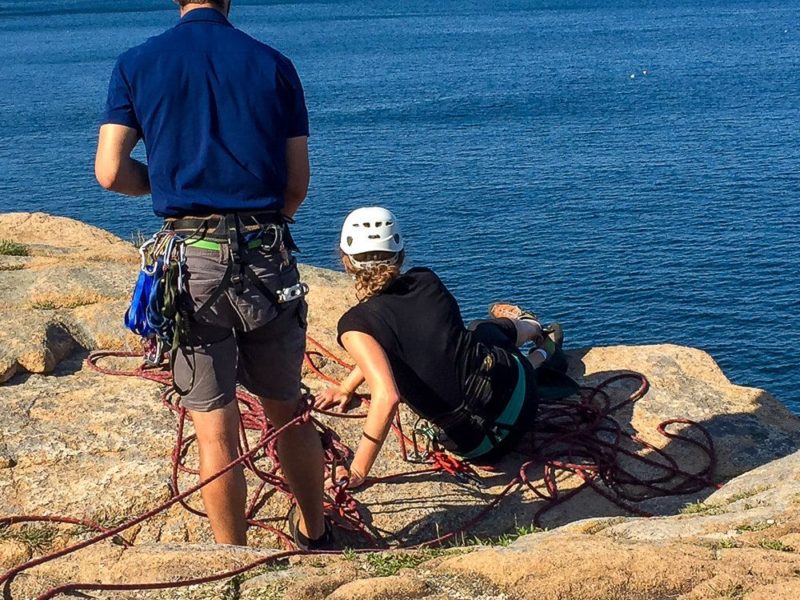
373	363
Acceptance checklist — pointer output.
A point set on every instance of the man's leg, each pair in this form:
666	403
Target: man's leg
225	497
206	369
302	461
270	365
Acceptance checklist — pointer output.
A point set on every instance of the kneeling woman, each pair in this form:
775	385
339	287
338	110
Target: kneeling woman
409	343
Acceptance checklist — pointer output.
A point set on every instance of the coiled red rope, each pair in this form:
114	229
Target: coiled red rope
580	438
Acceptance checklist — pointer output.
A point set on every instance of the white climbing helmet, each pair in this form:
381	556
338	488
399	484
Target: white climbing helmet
371	229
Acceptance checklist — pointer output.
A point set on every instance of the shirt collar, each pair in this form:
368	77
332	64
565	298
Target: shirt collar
207	15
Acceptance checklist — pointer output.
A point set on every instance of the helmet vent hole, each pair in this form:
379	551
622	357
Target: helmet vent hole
396	238
349	240
367	225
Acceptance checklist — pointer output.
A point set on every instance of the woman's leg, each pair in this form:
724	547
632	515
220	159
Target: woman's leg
506	333
527	331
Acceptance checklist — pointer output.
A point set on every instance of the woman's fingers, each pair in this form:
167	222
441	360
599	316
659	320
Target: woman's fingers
341	473
343	401
325	398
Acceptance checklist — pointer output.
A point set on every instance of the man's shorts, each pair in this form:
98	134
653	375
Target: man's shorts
243	337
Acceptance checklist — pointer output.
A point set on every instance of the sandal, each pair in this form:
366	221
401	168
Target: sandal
506	310
552	345
323	543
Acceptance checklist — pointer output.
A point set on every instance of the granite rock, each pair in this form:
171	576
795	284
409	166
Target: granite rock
75	442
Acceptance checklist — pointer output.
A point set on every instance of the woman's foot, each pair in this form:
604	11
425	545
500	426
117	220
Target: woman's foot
506	310
528	327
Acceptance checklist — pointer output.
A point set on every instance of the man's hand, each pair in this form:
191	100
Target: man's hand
333	398
114	168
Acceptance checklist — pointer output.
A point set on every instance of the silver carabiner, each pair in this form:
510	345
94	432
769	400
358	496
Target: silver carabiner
144	257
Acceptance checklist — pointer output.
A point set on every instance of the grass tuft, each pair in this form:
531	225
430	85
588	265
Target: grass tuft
39	538
735	591
349	554
54	301
138	238
503	540
383	564
701	508
775	545
10	248
724	543
748	527
747	494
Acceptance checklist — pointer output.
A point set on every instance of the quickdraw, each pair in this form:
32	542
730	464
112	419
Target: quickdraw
156	312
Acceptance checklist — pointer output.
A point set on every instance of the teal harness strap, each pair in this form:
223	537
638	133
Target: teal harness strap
508	418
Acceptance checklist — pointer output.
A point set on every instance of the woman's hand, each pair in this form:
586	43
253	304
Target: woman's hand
354	478
333	398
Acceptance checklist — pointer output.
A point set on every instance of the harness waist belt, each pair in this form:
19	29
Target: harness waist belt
213	228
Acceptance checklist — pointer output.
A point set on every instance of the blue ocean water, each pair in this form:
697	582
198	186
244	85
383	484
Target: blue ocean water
630	169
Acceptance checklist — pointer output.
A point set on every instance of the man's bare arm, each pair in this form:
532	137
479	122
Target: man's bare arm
298	171
114	168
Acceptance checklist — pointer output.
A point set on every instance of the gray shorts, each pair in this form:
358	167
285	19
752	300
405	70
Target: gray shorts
244	337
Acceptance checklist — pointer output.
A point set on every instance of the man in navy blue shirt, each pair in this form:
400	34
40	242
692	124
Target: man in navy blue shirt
224	122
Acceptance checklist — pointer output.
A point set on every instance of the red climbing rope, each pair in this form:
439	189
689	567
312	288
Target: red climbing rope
580	438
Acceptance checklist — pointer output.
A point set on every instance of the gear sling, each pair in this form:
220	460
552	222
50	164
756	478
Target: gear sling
161	310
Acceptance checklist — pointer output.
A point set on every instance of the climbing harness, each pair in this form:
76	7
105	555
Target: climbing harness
160	309
478	394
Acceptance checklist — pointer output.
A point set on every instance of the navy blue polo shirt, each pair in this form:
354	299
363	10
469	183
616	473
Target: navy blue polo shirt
214	107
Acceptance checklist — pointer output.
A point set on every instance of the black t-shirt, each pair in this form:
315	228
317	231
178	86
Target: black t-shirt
439	365
417	322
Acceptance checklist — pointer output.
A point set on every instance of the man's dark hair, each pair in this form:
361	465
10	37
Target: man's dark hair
218	3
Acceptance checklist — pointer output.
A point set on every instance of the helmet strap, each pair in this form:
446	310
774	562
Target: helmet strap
366	264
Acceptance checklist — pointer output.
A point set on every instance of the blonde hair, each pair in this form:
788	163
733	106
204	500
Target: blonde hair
372	279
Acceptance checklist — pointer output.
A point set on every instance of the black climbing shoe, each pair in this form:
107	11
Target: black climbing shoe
324	543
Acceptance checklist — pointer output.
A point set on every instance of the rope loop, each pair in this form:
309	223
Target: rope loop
580	438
